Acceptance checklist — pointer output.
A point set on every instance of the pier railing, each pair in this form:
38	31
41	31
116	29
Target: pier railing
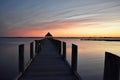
60	46
111	67
22	66
21	63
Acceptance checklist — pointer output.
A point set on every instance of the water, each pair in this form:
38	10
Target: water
90	56
9	56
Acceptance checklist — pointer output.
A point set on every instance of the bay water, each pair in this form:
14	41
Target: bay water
91	55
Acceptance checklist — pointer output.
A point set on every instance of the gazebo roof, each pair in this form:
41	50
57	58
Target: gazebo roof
48	34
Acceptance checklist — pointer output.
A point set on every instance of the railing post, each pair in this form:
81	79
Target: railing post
59	44
74	58
31	50
39	46
36	46
64	50
21	58
112	67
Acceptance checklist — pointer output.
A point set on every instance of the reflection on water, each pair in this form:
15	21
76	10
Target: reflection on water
90	56
9	56
8	62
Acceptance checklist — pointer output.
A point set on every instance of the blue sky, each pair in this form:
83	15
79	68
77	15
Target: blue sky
51	15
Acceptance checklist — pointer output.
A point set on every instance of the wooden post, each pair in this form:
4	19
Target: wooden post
39	45
36	46
74	58
64	50
21	58
112	67
31	50
59	44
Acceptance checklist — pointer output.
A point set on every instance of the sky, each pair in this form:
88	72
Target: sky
62	18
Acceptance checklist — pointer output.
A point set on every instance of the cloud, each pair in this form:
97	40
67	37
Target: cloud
3	28
35	17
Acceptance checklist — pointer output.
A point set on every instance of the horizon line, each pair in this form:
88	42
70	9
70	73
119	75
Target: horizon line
58	37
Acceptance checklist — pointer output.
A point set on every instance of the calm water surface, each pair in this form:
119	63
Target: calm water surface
90	56
9	56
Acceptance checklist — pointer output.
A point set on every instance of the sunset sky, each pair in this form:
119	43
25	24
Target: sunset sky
63	18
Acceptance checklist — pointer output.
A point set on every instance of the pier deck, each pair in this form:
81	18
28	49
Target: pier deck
48	65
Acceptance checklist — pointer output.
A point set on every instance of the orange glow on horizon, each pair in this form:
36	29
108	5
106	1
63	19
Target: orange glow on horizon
69	29
62	33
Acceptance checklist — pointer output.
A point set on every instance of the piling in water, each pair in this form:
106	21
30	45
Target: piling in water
31	50
74	58
59	46
64	50
54	48
21	58
112	67
37	46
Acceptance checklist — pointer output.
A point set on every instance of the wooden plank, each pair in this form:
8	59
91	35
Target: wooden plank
48	65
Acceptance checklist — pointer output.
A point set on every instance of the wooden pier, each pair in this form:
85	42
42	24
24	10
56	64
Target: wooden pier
48	62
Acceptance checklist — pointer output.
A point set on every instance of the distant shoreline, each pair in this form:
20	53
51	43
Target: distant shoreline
100	39
81	38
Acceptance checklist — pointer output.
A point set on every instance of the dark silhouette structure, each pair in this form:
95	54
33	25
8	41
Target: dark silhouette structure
112	67
21	58
47	62
48	35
